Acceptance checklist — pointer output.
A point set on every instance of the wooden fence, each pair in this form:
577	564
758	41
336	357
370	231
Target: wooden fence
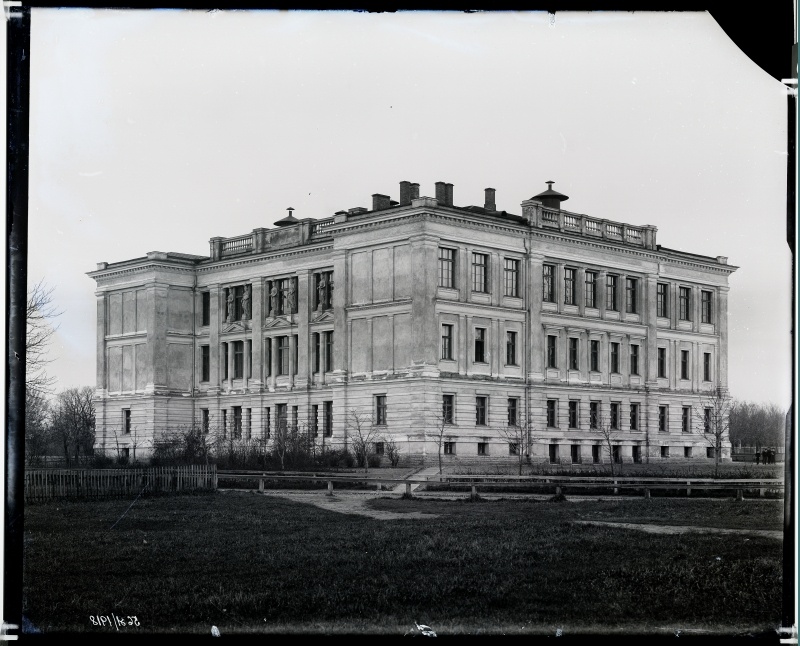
47	484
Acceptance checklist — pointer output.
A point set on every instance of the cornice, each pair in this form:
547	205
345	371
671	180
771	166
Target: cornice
382	305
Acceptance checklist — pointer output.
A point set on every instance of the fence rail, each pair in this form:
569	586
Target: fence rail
48	484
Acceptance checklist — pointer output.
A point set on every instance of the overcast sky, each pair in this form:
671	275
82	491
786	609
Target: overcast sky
157	130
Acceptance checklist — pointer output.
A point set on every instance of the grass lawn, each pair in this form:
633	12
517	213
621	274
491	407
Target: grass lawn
249	563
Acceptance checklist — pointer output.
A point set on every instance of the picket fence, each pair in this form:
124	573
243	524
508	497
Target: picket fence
48	484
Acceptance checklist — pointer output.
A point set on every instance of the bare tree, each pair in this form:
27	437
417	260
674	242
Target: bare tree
38	430
756	424
609	436
73	421
39	314
712	421
363	434
392	452
519	437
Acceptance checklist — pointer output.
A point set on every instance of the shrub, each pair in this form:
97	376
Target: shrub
374	460
100	461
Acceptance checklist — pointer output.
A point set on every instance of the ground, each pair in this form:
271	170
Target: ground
369	562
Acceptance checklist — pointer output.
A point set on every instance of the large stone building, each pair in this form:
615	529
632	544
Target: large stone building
416	313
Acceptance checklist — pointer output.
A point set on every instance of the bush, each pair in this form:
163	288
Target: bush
334	459
374	461
100	461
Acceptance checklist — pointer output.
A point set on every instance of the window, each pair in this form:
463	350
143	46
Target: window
268	357
595	453
551	351
684	302
662	363
327	417
512	411
684	364
548	291
233	303
590	291
513	448
480	345
511	348
594	415
480	411
554	454
447	342
569	286
705	307
248	417
447	408
634	417
205	363
294	418
634	359
573	413
611	292
267	422
631	289
711	452
283	355
449	448
378	448
617	455
615	357
205	308
224	423
573	354
317	348
447	266
483	448
480	275
594	355
707	420
706	366
664	451
662	291
314	421
224	360
250	359
126	421
636	452
204	420
663	419
125	455
552	418
380	410
328	351
686	419
511	277
237	422
295	352
238	359
687	451
575	453
615	416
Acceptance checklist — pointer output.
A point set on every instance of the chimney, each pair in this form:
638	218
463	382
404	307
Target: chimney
414	191
441	193
380	202
449	194
405	193
488	202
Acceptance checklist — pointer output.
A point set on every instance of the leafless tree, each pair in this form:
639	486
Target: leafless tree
392	452
73	421
441	420
712	421
38	430
363	434
756	424
39	316
519	437
609	436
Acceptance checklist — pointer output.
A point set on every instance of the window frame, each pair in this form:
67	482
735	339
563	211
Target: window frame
590	289
511	348
205	363
574	353
614	352
631	295
634	359
663	419
614	416
480	272
238	359
569	285
685	367
594	415
686	419
481	410
548	283
707	366
448	408
512	409
612	303
447	267
684	303
511	277
594	355
552	353
447	341
661	356
706	306
574	414
634	416
380	410
283	356
552	413
479	343
205	308
662	300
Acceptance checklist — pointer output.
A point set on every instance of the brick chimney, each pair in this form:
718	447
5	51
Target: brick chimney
405	193
488	202
441	193
414	191
380	202
449	194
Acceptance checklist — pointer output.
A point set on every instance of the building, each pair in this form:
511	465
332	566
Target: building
418	312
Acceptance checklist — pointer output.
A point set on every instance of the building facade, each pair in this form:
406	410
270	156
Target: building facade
430	320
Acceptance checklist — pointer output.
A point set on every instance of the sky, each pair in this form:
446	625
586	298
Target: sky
158	130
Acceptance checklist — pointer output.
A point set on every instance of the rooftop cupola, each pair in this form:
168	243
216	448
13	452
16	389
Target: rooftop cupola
550	198
288	221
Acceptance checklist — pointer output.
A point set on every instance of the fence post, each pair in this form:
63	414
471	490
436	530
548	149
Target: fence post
616	490
740	494
474	493
261	483
646	493
408	489
330	488
688	489
558	491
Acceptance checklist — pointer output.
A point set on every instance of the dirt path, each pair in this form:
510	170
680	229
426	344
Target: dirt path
684	529
349	504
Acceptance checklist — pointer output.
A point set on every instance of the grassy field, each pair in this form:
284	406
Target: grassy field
248	563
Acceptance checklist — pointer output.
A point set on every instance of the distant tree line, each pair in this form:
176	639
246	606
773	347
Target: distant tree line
758	425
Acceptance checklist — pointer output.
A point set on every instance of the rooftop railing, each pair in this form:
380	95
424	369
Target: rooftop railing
318	228
237	245
592	227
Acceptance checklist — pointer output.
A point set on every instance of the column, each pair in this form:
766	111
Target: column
256	324
102	319
467	341
292	365
341	289
157	294
496	347
695	308
674	363
463	273
696	366
622	295
562	354
533	303
583	355
460	344
495	270
721	329
370	342
672	297
601	292
559	287
231	354
649	353
580	289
